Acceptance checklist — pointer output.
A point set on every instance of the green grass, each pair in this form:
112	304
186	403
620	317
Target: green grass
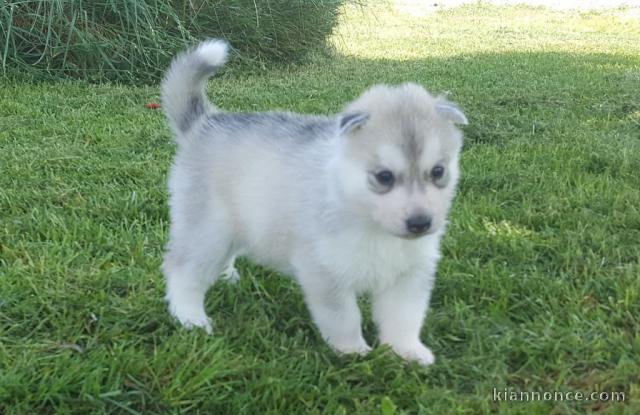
134	40
538	287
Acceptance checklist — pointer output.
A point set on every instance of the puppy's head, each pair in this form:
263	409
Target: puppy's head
399	165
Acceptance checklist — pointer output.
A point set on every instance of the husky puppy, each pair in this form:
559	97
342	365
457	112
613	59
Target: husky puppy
348	204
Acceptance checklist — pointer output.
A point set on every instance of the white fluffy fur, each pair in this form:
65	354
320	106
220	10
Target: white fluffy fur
298	193
213	52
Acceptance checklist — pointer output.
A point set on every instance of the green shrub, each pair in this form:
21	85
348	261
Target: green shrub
133	40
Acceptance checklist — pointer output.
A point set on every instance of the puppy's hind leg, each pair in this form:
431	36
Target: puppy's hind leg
191	265
230	272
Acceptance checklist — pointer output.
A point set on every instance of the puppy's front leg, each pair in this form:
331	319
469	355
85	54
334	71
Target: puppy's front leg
335	311
399	311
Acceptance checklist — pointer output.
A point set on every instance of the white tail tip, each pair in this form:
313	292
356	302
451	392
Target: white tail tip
214	52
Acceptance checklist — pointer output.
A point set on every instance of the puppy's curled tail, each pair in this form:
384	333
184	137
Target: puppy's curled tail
183	88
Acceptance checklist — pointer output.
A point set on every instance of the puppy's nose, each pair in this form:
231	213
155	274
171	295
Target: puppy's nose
418	224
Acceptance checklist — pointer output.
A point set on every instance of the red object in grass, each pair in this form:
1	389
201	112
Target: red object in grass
152	105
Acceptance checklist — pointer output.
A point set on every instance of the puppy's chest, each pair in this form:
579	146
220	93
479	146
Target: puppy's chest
367	263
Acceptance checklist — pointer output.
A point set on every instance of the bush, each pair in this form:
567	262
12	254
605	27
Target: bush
134	40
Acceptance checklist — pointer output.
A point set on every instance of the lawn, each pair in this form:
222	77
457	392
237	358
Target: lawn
538	288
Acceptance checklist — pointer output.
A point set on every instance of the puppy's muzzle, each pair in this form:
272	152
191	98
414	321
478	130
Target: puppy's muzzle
418	224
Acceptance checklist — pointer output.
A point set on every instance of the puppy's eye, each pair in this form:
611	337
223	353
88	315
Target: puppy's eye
437	172
385	178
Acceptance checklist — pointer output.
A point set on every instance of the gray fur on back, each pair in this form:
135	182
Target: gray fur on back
295	128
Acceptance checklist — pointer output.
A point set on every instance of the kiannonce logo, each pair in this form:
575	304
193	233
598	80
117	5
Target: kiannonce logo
509	394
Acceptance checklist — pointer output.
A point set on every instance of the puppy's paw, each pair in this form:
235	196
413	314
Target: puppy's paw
201	323
358	346
416	352
231	274
193	320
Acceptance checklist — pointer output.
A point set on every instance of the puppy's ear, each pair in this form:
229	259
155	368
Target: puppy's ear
450	111
352	121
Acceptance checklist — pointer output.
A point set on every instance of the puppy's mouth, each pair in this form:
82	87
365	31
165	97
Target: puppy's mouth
410	236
